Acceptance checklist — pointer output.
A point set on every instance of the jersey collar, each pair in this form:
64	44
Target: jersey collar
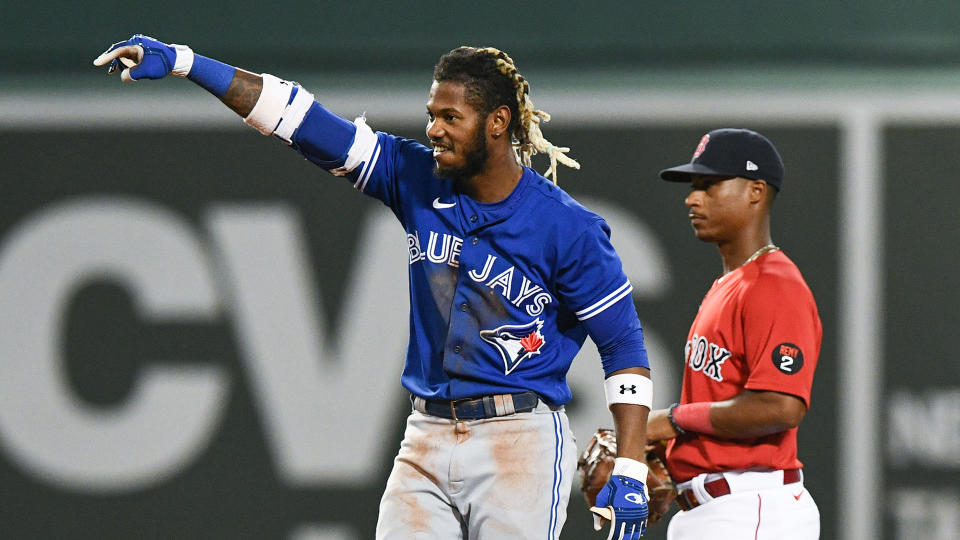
476	215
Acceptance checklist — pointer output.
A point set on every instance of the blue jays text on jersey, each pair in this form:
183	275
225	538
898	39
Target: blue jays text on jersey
502	295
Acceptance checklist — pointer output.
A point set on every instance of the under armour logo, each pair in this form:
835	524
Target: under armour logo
632	388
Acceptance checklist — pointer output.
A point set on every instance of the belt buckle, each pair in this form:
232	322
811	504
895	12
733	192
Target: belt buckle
453	407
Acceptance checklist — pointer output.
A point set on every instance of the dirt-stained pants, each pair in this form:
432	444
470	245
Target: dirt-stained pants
505	477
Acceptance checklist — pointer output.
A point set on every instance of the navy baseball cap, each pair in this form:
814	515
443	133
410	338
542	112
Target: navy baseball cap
732	152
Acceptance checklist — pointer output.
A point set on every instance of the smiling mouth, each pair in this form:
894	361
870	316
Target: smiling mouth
439	149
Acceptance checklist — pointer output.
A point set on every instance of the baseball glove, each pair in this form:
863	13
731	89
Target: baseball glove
596	464
662	489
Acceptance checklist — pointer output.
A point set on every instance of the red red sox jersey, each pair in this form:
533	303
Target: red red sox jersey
757	329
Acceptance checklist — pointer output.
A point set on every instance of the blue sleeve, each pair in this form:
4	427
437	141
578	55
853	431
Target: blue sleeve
591	282
326	140
323	137
619	337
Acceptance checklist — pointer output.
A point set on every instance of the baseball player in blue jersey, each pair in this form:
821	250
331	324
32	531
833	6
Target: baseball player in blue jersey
508	276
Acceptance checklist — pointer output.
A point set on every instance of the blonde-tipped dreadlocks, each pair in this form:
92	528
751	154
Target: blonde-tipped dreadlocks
491	79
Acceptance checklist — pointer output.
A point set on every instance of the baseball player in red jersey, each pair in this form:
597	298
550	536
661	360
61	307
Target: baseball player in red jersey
749	358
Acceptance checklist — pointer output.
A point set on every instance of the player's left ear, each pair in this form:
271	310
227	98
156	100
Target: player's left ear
498	122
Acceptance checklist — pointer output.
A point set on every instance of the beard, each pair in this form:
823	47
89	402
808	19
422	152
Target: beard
474	160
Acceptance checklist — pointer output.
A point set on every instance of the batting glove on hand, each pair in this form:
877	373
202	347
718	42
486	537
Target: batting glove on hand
146	58
623	501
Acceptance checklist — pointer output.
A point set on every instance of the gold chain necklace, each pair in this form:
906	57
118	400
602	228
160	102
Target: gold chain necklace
765	249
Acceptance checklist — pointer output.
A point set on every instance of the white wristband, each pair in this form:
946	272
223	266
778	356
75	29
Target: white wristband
184	60
633	469
630	467
268	111
629	388
293	115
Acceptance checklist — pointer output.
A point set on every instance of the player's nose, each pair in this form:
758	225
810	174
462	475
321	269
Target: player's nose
434	131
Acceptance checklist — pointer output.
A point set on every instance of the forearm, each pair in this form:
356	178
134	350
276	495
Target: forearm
749	415
630	422
755	414
277	107
236	88
244	91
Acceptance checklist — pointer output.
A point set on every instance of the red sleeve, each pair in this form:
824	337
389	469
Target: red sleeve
782	334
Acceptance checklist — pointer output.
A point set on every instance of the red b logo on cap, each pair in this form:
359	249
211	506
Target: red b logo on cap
702	146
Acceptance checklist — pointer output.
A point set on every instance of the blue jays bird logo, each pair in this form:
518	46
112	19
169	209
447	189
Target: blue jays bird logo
515	342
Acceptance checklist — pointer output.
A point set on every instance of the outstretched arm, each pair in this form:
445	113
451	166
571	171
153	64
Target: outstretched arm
271	105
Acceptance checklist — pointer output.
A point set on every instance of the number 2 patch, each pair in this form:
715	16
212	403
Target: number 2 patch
788	358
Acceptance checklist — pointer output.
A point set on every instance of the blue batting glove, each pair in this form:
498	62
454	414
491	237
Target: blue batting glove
142	58
623	501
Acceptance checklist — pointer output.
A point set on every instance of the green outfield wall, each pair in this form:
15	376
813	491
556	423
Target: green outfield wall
368	35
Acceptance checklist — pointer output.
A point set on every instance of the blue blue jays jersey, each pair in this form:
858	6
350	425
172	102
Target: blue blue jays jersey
502	295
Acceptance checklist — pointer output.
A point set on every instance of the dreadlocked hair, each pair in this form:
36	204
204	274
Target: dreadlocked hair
491	79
